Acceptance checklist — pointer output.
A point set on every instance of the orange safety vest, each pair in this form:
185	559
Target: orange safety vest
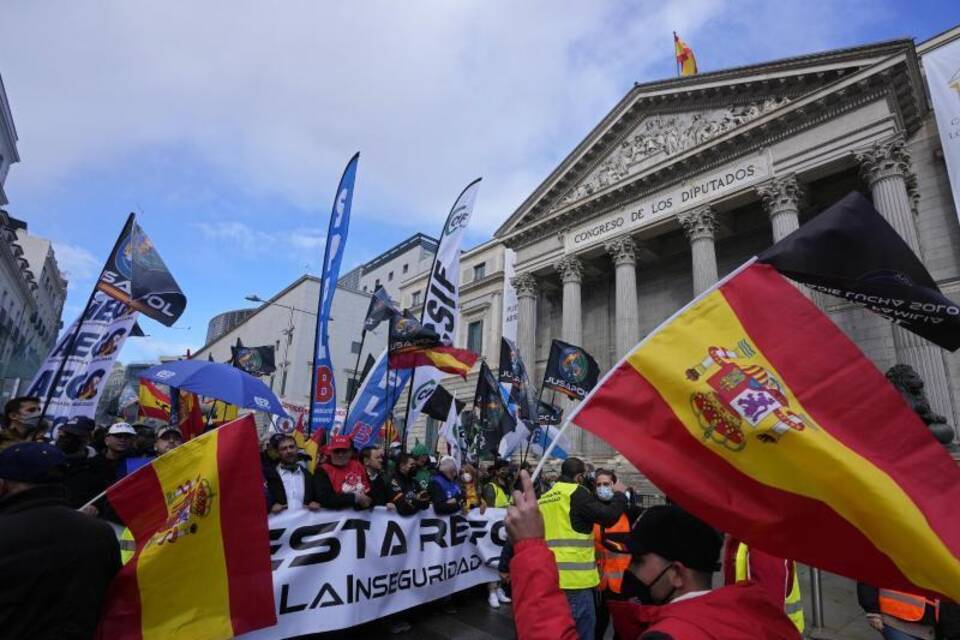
610	564
906	606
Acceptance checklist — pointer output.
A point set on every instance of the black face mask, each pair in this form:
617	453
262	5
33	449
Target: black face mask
634	587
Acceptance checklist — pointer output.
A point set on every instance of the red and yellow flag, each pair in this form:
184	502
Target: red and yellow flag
446	359
686	62
154	402
201	568
752	410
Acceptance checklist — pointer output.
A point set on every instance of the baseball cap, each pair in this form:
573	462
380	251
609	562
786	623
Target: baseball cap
121	429
78	426
340	442
162	431
32	462
675	535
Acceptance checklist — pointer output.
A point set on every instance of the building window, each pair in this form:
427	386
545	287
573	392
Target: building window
354	347
406	268
390	277
364	288
479	271
283	383
376	284
475	336
415	299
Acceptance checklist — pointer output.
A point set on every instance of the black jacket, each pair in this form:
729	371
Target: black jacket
406	493
278	495
378	489
586	509
55	564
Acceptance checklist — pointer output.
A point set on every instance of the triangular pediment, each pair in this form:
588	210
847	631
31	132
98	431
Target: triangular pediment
682	121
659	136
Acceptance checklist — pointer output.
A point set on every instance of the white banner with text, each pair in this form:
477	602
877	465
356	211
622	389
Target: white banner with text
333	570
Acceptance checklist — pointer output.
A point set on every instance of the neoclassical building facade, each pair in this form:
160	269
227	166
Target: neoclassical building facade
687	178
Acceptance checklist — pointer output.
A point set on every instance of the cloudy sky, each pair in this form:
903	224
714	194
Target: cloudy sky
225	125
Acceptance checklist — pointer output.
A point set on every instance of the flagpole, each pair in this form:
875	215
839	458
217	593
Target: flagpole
675	53
356	368
526	451
72	342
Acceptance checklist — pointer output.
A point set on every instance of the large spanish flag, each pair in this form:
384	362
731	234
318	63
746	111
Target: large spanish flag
202	564
753	411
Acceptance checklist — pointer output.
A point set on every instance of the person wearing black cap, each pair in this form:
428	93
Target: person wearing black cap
83	472
673	558
56	562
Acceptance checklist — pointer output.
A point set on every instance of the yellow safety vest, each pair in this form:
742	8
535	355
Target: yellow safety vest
792	605
128	546
572	550
500	498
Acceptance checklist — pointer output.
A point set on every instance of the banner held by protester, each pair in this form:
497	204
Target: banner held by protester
103	329
375	563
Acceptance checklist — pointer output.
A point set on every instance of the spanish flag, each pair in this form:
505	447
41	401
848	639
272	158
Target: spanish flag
154	402
447	359
686	62
201	569
753	411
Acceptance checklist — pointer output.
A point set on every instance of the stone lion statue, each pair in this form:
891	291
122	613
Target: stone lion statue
910	385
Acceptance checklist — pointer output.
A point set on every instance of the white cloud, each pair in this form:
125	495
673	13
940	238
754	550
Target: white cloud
294	244
149	349
76	263
277	97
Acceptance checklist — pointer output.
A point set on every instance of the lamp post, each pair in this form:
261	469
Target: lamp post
255	298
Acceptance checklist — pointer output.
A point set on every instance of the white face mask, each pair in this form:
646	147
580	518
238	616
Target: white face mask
467	477
605	493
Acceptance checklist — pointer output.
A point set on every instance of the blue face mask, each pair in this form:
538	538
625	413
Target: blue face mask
605	493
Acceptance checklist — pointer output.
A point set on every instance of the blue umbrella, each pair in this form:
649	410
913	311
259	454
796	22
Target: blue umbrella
216	380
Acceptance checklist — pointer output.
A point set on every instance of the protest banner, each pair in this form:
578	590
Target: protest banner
336	570
103	329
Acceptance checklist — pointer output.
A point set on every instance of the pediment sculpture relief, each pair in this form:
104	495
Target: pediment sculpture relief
662	135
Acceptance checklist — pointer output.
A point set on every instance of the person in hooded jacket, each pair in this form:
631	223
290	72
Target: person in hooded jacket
673	558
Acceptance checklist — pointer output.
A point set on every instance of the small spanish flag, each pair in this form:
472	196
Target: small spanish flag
686	62
753	411
447	359
201	569
154	402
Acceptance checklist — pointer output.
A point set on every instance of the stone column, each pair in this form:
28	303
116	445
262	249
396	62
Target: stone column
526	287
781	200
624	254
700	225
886	167
571	273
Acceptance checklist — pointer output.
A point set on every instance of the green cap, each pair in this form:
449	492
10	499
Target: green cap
419	449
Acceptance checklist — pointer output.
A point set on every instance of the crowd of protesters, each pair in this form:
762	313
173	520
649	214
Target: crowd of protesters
582	551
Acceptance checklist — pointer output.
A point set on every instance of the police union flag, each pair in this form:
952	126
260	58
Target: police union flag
323	391
753	411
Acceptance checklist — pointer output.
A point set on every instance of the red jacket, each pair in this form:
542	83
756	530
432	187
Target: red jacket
742	611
